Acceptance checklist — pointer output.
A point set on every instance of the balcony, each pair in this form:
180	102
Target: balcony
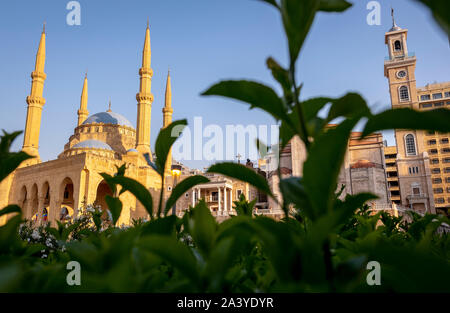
410	55
391	169
419	196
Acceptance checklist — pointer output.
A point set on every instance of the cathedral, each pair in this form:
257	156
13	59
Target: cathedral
100	143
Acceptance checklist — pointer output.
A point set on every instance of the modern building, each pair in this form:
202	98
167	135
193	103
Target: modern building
423	158
390	156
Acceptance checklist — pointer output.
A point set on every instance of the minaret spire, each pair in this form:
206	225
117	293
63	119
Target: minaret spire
83	112
167	116
35	103
109	106
144	98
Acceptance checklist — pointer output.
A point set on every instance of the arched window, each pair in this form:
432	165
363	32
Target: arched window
397	45
403	93
410	144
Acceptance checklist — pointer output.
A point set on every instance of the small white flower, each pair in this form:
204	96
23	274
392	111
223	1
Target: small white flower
35	235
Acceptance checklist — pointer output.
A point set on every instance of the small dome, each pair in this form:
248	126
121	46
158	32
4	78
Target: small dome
108	118
94	144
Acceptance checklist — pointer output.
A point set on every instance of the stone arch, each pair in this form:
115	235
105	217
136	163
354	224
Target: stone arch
66	198
23	198
46	198
102	190
34	203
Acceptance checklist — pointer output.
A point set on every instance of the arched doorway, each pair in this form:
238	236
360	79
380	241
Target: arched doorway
46	203
34	204
103	190
66	199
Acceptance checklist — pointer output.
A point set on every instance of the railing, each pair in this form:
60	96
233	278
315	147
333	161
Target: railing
401	57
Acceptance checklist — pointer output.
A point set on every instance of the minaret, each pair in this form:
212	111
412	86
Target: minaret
167	117
144	99
35	103
83	112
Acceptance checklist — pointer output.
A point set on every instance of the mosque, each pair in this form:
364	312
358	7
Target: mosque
100	142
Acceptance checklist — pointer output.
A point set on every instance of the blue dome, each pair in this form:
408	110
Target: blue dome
132	150
108	118
91	143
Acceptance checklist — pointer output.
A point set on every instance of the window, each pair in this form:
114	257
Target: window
447	179
238	193
425	97
169	188
436	170
437	180
439	200
448	189
66	193
413	170
439	104
404	93
444	140
446	150
438	190
186	194
433	151
410	144
434	161
437	96
416	190
447	170
214	196
447	94
446	160
426	105
397	45
432	142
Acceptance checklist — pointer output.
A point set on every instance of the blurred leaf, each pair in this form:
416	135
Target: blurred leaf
181	188
441	12
160	226
12	208
9	161
294	193
334	5
297	17
136	188
272	2
242	173
351	105
437	120
322	167
174	252
202	227
281	75
166	138
253	93
115	207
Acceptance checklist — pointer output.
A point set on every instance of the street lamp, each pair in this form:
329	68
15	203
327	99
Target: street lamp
176	172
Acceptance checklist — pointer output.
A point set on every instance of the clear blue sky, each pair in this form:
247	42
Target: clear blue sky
202	41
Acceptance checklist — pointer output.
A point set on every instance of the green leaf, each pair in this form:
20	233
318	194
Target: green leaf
297	17
181	188
202	227
334	5
281	75
441	12
9	161
115	207
253	93
160	226
242	173
322	167
136	188
434	120
174	252
350	105
11	209
272	2
294	192
166	138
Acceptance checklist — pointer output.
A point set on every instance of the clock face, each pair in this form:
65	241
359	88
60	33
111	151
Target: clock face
401	74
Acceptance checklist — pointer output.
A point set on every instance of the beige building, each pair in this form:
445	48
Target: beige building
423	159
390	155
363	169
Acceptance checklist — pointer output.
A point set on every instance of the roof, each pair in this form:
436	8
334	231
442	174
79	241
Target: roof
91	143
108	118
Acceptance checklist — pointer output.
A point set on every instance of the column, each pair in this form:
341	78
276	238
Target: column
225	200
199	194
218	200
193	197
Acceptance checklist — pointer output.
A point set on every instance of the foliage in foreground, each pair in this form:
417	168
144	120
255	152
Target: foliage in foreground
323	244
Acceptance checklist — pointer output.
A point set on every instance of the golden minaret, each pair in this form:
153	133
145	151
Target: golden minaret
83	112
167	117
144	99
35	103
